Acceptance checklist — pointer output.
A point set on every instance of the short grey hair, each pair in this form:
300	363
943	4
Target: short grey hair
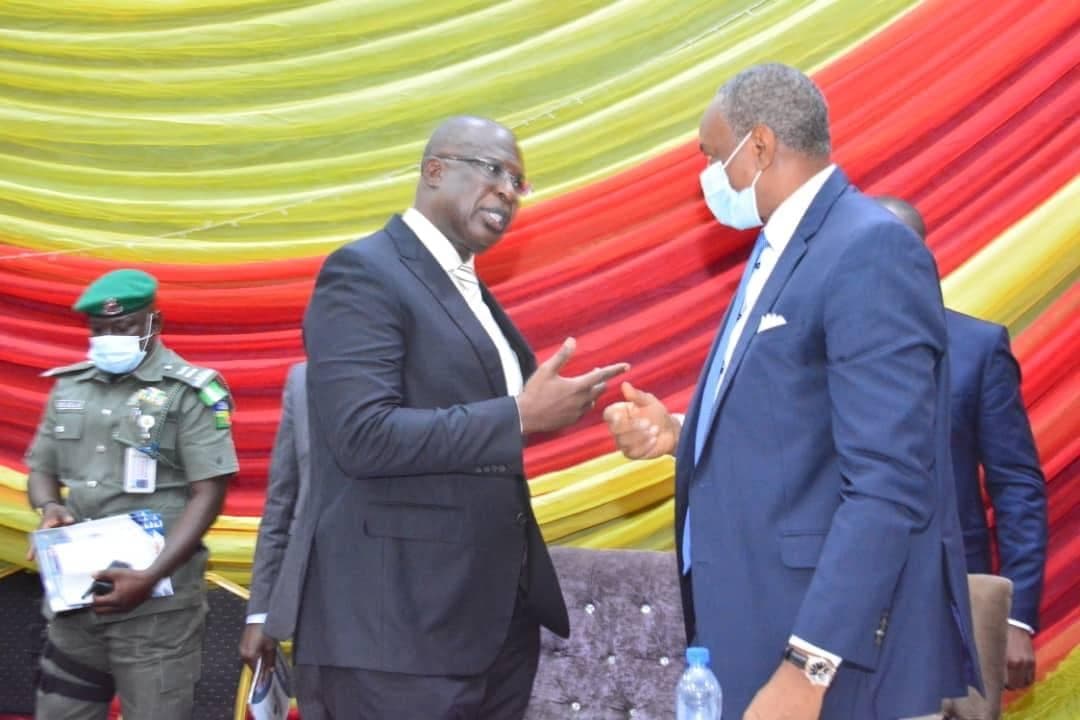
782	98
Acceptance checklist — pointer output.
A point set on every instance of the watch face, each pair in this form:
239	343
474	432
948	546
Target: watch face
819	671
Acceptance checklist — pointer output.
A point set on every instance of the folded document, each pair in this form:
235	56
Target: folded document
69	556
270	689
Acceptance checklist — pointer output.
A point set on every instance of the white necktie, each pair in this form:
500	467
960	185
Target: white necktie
465	277
469	284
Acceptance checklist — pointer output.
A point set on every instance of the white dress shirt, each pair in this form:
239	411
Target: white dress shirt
450	261
778	233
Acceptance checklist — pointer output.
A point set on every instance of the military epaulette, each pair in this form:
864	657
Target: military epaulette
65	369
211	386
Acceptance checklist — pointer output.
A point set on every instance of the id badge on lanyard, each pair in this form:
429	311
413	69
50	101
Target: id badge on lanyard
140	471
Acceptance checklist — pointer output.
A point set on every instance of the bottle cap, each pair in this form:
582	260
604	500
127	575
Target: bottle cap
697	655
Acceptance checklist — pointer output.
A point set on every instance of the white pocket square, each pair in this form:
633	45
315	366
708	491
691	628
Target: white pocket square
770	321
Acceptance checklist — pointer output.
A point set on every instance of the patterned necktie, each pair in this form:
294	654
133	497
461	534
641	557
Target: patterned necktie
468	282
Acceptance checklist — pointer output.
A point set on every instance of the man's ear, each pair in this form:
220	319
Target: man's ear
763	146
431	171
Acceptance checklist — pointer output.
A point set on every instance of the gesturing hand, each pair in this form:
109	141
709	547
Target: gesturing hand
642	427
550	401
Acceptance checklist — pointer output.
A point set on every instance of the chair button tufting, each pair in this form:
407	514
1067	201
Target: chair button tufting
646	609
665	661
590	608
575	706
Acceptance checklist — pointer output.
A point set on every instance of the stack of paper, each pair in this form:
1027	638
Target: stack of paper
69	556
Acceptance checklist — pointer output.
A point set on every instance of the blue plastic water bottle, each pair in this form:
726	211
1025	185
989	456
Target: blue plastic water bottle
698	695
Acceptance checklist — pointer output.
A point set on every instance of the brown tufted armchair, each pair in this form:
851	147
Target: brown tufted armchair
626	646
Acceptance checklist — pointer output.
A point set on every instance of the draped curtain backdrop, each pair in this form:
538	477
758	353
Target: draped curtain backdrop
227	145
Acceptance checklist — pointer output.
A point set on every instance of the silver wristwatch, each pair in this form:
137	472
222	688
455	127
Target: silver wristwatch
818	670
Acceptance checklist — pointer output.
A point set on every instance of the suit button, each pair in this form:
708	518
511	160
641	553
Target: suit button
521	518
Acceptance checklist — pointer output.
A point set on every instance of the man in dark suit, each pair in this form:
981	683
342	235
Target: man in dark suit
990	429
423	575
818	544
286	495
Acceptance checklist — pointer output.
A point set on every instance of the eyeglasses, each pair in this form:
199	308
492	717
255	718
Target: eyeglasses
493	170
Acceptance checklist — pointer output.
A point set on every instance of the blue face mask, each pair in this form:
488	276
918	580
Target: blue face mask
734	208
118	354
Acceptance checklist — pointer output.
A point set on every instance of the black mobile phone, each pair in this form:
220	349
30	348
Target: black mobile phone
104	587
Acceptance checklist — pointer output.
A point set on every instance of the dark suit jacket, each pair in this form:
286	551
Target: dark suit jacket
990	428
823	503
411	549
286	493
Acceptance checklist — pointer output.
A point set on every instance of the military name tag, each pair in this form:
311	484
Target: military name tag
140	471
69	405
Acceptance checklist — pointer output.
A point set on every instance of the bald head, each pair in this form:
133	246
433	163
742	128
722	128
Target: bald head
906	212
466	134
472	178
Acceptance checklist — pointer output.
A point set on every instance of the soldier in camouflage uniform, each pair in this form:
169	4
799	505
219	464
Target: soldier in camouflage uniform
135	427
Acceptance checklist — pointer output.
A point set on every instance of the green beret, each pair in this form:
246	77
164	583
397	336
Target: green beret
117	293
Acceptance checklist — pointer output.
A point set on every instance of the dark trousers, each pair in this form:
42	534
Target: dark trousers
501	693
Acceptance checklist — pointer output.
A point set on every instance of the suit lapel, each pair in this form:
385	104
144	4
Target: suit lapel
687	439
420	263
520	346
781	273
785	265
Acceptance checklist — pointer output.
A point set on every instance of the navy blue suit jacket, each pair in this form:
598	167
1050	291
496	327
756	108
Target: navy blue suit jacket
823	501
990	429
409	553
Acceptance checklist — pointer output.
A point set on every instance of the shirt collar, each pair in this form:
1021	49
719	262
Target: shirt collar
786	218
435	242
149	369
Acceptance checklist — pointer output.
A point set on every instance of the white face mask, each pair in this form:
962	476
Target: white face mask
735	208
119	354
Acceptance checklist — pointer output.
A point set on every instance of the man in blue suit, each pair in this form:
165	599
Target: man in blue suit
818	542
990	429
